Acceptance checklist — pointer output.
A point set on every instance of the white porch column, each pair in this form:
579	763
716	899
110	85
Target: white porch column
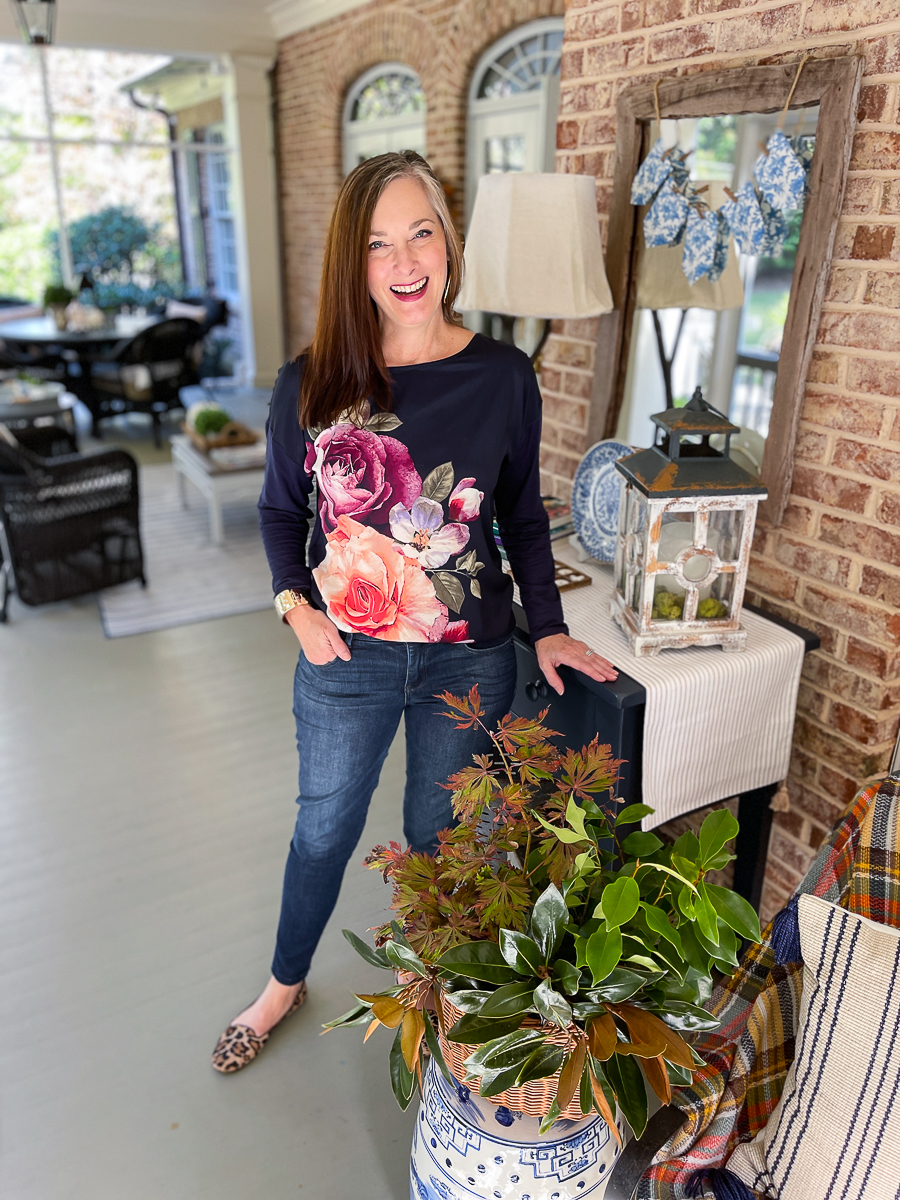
246	103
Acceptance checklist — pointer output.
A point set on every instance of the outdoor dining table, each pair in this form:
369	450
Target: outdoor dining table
74	349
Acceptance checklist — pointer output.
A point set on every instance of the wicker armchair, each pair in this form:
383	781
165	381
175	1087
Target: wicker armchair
68	525
145	373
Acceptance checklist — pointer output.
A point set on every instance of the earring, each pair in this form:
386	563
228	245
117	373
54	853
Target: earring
446	285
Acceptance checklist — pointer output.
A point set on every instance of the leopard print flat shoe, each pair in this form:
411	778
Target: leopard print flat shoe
239	1044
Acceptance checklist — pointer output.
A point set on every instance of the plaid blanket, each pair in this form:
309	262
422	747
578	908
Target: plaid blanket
748	1057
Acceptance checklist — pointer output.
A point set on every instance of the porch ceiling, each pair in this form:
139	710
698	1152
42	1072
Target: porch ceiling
174	27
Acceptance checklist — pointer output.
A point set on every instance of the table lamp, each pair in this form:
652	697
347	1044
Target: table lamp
533	250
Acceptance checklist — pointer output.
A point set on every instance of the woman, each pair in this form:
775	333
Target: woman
414	433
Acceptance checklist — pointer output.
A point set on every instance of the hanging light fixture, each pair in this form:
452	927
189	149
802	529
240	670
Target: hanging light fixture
36	19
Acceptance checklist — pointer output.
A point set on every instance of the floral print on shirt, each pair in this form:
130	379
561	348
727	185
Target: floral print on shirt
398	584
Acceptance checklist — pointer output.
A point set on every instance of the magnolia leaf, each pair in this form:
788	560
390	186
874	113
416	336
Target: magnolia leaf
570	1075
619	901
548	920
448	590
641	844
493	1082
604	949
372	954
542	1062
527	1039
602	1105
647	1028
717	829
473	1029
356	1016
735	911
688	1017
564	835
405	958
547	1122
694	953
567	976
403	1080
509	1000
552	1005
627	1082
585	1092
618	985
603	1037
389	1012
376	1024
478	960
412	1031
438	484
520	951
658	1078
634	812
434	1047
382	422
469	1000
475	588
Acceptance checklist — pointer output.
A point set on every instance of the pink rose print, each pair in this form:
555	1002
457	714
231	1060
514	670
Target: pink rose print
465	501
420	534
457	631
368	587
360	474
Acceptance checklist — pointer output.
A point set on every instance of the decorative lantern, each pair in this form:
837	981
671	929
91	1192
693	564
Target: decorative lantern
686	521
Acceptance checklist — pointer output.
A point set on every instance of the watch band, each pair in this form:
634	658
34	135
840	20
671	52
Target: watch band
289	599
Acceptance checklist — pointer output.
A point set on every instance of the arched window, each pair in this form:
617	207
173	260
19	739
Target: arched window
384	110
513	102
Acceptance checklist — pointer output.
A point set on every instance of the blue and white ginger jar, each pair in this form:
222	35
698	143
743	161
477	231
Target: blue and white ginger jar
465	1148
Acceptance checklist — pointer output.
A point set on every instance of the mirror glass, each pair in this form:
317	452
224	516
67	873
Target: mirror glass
730	350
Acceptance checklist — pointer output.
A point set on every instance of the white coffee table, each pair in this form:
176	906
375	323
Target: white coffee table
212	479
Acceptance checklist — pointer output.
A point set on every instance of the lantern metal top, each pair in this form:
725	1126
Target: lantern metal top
674	467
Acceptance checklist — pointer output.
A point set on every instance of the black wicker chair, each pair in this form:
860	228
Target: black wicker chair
68	525
145	373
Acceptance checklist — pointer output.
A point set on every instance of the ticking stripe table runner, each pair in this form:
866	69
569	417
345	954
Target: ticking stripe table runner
715	724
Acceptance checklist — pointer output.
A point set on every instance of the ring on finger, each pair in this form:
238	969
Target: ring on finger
588	653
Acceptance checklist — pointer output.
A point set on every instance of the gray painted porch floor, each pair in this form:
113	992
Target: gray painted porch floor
146	803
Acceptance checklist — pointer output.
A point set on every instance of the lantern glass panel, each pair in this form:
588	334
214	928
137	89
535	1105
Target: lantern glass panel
676	534
668	598
726	529
714	602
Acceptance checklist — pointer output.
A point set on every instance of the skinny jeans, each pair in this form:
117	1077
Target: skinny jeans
347	714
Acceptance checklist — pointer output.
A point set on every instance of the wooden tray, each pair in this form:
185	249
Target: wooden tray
235	433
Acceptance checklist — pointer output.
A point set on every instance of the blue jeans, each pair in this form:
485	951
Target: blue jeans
347	714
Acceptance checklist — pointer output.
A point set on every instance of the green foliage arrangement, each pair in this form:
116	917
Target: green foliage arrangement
57	293
546	912
211	420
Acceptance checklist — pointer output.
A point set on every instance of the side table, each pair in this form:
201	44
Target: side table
615	712
212	479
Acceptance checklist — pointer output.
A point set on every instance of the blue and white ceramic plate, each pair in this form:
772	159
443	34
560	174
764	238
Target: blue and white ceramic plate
595	499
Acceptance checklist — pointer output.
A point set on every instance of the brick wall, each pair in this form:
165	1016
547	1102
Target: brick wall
440	39
834	564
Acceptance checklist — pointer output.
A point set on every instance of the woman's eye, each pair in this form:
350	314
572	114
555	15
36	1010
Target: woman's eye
424	233
375	245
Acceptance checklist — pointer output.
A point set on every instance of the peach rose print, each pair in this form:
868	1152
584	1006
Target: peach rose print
368	587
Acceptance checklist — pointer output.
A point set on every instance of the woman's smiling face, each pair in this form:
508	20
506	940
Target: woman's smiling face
407	255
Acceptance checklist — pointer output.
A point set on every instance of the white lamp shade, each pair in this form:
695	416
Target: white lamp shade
533	248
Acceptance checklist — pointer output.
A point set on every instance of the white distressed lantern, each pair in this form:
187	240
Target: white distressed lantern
686	520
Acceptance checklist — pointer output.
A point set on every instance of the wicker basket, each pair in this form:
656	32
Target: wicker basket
233	434
534	1099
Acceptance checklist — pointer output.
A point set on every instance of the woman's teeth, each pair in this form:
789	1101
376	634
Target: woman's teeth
410	289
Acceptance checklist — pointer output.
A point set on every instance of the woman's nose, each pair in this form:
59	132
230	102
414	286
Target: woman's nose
404	258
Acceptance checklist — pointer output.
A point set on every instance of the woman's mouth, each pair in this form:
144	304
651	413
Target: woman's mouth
410	291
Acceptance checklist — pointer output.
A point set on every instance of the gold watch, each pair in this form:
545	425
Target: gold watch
289	599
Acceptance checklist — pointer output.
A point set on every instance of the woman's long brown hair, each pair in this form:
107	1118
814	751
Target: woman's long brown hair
344	365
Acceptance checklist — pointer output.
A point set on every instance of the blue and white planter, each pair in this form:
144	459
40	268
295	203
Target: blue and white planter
465	1148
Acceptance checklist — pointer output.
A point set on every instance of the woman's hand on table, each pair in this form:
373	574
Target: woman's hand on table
561	650
319	637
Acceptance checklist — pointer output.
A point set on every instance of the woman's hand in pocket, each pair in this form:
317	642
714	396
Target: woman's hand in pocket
319	637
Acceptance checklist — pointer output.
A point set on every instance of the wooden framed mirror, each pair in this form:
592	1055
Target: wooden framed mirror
831	85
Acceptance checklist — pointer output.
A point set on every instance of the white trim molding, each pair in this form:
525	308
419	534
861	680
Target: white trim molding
290	16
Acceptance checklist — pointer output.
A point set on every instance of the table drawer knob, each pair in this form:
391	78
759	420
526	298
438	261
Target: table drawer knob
537	690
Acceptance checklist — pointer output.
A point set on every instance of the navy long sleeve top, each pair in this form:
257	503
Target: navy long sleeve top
402	544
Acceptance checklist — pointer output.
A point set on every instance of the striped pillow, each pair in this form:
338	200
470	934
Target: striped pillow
835	1134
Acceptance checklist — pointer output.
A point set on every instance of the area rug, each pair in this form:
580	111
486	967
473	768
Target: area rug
188	578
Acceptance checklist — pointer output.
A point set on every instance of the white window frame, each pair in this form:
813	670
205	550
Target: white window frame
404	132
